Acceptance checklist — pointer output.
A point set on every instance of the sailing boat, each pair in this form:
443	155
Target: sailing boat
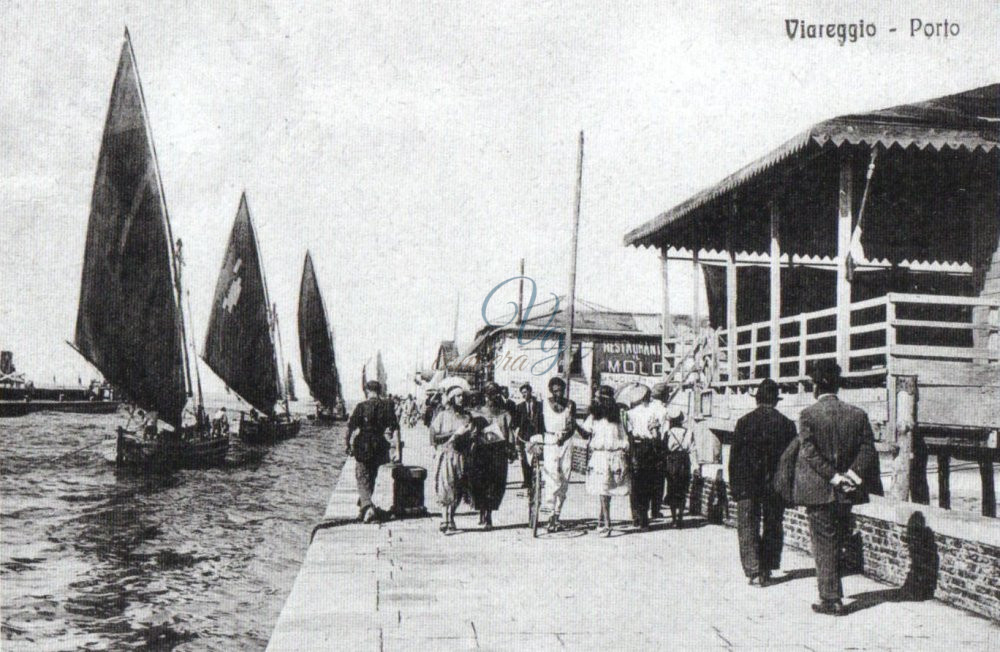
319	364
130	321
240	342
380	374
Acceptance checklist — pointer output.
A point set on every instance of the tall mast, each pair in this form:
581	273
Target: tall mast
568	353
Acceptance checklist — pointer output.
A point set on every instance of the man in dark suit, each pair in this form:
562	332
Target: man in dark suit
371	427
837	451
759	440
527	422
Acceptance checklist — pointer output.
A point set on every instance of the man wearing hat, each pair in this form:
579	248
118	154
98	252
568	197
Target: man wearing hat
644	424
759	439
837	450
659	396
371	427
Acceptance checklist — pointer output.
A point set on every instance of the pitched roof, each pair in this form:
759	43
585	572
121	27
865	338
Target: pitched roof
969	120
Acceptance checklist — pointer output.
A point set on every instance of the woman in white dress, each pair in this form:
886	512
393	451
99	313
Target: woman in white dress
451	431
608	471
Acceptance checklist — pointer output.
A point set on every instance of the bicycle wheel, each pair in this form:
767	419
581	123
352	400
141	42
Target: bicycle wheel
536	498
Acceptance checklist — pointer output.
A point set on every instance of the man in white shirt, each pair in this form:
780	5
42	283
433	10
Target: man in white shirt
644	426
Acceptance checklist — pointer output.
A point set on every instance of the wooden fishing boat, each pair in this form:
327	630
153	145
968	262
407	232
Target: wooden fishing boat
319	364
130	322
243	342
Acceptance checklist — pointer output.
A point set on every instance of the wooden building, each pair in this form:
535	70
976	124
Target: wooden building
870	239
609	347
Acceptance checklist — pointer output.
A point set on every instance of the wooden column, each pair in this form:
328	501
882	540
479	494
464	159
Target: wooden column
944	480
989	490
695	306
732	287
775	293
667	319
844	218
731	325
906	421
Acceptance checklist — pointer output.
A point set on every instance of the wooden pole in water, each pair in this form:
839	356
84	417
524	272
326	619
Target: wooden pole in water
571	310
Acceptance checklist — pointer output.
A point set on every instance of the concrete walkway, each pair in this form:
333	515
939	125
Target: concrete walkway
405	586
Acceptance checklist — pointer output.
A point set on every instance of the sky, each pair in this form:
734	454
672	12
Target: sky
419	150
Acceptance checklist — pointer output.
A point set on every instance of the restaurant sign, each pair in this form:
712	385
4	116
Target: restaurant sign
631	358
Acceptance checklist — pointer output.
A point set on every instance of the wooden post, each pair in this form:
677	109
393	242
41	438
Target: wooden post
906	421
753	351
732	287
775	294
844	217
944	480
731	324
695	307
803	344
989	490
571	309
520	294
668	326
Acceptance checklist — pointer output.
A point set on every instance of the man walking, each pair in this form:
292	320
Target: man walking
371	427
759	440
837	451
527	422
644	427
660	396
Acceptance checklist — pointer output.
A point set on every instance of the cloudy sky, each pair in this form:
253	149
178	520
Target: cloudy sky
420	150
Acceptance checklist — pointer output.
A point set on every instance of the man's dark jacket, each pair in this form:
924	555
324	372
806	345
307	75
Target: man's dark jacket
373	419
835	437
528	426
759	440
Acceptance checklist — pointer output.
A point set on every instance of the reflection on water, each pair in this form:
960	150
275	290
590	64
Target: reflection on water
92	558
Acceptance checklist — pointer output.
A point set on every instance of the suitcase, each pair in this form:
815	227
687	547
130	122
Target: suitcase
408	490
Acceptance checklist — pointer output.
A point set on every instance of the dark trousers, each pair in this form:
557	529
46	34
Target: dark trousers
659	487
366	473
525	464
760	551
678	471
645	470
829	526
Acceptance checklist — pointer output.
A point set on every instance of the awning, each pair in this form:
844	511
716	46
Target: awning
968	121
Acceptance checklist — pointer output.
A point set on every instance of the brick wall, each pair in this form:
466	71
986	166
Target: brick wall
926	551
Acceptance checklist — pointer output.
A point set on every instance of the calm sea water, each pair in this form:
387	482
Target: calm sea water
197	560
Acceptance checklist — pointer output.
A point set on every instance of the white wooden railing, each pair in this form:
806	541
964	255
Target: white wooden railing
904	325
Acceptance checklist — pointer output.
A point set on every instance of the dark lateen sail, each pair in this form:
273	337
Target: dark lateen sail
290	383
238	346
129	323
319	365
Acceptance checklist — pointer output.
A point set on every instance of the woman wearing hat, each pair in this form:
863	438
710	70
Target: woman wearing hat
451	431
490	455
608	472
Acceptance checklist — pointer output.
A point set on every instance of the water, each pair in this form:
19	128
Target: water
91	558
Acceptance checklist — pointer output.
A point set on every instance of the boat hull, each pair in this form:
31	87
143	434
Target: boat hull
185	452
268	431
21	408
326	419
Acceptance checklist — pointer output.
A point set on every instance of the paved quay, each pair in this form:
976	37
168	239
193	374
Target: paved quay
402	585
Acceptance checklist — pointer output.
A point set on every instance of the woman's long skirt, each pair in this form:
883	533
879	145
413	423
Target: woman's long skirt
487	474
449	472
678	470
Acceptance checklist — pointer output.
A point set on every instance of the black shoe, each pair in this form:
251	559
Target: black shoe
755	580
830	608
765	579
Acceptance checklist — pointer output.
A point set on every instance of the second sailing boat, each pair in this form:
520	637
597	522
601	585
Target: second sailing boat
319	364
240	345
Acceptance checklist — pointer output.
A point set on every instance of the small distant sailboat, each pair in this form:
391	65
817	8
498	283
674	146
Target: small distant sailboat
379	372
240	345
130	321
290	383
319	363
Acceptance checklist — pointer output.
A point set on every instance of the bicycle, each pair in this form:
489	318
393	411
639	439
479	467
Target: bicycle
534	450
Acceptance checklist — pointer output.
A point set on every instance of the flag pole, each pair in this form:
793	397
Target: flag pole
571	310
